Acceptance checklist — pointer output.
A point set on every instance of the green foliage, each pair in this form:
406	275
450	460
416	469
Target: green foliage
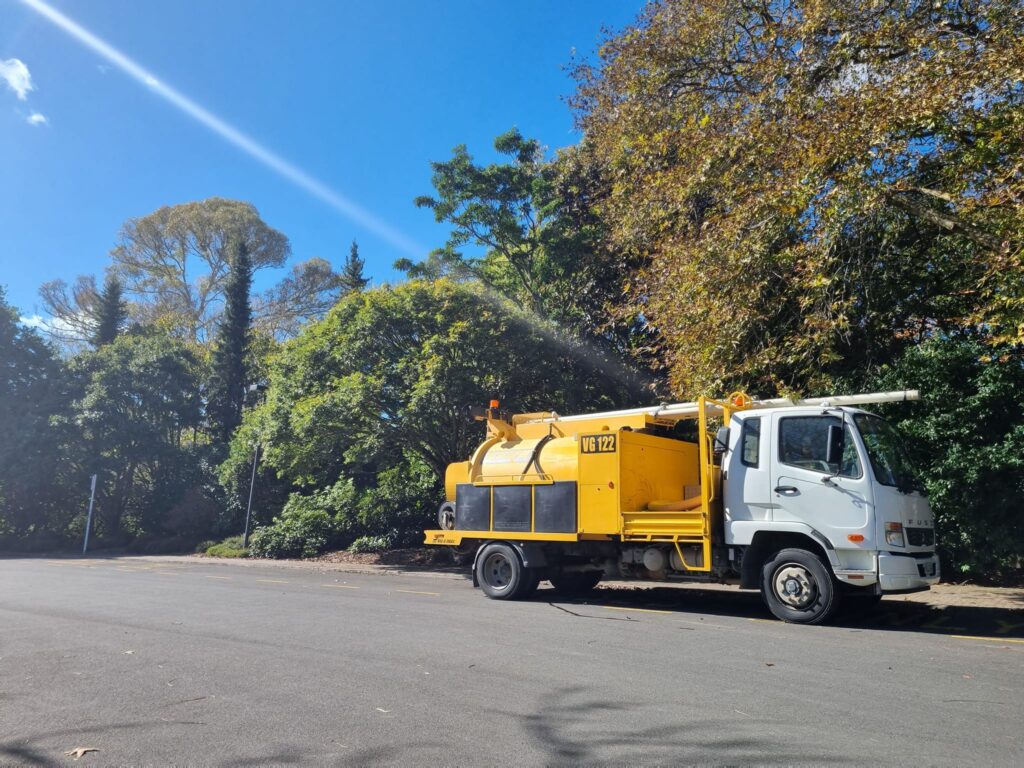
136	409
230	547
35	474
229	374
111	313
534	238
202	546
812	185
176	261
390	373
967	437
368	544
403	502
309	524
352	277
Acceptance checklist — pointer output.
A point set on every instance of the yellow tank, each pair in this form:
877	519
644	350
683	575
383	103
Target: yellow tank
600	484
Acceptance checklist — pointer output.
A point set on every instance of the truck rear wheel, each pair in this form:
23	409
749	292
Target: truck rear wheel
502	576
798	588
575	583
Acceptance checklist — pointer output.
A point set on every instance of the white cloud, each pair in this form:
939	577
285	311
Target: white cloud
36	118
34	321
16	75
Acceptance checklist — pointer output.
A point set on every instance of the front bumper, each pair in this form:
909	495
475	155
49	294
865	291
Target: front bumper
904	572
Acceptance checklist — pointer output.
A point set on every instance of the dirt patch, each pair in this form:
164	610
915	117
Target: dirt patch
414	556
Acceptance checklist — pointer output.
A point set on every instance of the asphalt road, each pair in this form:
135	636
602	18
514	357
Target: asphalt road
207	664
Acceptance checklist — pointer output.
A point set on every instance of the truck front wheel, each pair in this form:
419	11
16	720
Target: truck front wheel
502	576
798	587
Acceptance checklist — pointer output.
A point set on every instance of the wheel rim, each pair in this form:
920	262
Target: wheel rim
795	586
497	571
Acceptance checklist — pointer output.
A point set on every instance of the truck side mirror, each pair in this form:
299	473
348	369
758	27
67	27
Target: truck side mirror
722	440
836	445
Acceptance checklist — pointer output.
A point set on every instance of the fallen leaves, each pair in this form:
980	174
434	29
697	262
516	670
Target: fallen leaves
78	752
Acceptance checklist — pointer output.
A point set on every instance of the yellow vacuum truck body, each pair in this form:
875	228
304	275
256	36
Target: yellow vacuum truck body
539	479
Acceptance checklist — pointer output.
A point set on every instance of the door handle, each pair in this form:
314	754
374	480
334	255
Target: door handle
787	490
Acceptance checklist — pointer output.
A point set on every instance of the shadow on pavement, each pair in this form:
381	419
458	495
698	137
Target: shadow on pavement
574	726
889	615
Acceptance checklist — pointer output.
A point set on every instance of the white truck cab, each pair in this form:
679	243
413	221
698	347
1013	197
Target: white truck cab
835	476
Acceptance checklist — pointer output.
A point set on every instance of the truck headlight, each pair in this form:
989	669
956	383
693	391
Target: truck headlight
894	534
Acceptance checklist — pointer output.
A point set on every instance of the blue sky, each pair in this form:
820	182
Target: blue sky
360	96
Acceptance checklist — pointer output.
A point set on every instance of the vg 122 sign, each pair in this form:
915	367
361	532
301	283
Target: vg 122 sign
605	443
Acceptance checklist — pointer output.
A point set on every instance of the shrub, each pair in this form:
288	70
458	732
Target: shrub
967	438
403	503
370	544
202	546
232	546
222	550
308	524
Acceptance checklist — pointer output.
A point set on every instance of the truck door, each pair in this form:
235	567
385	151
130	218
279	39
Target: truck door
834	499
747	480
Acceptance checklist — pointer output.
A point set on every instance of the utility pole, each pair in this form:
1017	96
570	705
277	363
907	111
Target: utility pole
253	394
88	520
252	484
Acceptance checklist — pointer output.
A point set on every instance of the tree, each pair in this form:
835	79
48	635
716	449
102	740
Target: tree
72	312
382	387
228	380
175	262
967	439
304	295
111	313
352	278
505	210
136	409
537	241
37	486
810	184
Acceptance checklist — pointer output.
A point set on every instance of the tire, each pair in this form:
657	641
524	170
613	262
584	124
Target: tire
446	516
575	583
501	574
798	588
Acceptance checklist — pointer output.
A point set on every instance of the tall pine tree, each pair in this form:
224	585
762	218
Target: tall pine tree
111	313
228	379
351	277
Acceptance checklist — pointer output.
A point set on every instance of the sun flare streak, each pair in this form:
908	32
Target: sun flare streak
228	132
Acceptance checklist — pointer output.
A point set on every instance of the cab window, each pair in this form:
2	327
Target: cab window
750	441
803	442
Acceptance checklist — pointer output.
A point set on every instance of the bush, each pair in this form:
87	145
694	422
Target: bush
403	503
370	544
202	546
967	439
221	550
308	525
230	547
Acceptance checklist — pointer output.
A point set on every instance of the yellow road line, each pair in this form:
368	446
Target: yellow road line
167	573
765	621
414	592
222	578
637	610
271	581
338	586
988	639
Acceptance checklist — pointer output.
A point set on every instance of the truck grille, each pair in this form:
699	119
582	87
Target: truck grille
920	537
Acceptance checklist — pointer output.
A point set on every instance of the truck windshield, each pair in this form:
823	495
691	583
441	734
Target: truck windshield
886	452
